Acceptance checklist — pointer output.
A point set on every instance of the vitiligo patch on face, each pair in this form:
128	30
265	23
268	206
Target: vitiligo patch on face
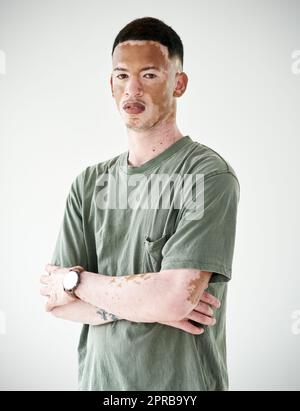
162	48
176	66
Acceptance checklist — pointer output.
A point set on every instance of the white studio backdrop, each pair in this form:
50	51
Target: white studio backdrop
58	116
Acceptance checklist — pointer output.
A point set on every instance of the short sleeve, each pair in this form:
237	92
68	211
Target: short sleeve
206	241
70	247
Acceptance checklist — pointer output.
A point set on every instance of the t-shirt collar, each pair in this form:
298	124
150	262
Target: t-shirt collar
153	162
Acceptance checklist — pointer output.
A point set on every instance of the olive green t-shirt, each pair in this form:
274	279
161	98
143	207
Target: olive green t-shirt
115	224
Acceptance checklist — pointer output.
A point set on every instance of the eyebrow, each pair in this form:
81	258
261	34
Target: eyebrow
143	69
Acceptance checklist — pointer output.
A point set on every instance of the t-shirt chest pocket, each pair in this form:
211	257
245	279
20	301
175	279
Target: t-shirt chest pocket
152	256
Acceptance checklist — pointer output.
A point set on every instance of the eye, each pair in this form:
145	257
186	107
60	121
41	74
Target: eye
151	74
123	76
118	76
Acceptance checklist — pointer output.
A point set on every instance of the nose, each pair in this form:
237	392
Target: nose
133	87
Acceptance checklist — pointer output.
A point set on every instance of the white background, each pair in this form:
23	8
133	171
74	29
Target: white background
58	116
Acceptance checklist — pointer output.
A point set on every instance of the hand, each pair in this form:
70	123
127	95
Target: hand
202	314
54	287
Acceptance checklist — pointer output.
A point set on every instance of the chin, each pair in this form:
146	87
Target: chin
133	123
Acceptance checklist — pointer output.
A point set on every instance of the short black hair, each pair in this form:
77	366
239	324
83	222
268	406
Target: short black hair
150	28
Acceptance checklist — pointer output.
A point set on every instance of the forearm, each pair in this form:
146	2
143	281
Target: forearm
85	313
148	297
151	297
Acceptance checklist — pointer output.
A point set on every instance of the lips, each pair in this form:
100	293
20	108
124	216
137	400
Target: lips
133	108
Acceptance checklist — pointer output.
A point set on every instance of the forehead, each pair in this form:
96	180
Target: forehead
141	52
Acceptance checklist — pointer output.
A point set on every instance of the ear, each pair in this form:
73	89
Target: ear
180	84
111	86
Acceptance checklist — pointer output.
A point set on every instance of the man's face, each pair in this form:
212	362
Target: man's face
148	92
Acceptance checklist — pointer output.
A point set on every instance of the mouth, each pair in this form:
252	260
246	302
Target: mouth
133	108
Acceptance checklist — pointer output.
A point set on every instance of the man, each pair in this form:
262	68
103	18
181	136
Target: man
129	263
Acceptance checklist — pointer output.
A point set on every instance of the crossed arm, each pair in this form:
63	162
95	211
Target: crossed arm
165	296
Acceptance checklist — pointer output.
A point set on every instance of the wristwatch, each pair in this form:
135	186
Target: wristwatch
72	279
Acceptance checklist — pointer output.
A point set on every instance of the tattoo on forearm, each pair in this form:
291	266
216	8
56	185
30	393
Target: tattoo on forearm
107	316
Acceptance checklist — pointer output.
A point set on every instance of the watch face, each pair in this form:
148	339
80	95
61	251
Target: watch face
70	280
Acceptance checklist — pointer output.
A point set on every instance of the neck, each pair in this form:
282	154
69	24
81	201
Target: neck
147	144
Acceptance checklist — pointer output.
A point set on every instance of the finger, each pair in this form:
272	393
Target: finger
192	329
45	291
44	279
50	268
185	325
210	299
201	318
204	308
